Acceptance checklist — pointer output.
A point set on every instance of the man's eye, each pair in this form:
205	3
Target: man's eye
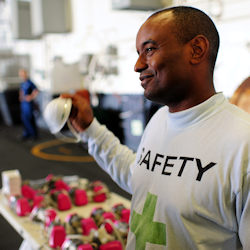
149	49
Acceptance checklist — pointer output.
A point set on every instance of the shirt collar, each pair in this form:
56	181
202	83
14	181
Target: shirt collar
197	113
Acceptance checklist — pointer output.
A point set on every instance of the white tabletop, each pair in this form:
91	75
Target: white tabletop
34	232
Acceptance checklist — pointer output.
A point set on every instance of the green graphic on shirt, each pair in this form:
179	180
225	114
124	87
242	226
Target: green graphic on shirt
144	228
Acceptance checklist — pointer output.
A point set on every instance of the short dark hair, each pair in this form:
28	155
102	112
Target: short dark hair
190	22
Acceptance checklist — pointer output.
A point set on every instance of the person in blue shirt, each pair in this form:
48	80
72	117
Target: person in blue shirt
28	92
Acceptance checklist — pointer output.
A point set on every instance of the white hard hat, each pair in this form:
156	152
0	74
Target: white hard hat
57	113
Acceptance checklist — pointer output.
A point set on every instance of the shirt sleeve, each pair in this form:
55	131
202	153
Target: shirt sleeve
32	85
113	157
244	229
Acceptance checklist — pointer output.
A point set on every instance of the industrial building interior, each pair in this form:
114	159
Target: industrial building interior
69	45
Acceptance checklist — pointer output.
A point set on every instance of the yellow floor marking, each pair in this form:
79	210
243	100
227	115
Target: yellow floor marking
37	151
65	150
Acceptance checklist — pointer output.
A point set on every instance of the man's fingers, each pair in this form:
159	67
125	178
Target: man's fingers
74	111
66	95
74	98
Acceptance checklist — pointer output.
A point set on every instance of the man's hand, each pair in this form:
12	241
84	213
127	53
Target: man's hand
28	98
32	96
81	114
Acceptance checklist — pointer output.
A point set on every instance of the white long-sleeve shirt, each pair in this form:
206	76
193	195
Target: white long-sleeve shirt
189	180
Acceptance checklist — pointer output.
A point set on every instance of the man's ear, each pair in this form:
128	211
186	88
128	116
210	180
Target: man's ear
199	49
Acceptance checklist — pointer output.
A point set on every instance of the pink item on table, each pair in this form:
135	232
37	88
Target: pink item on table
57	236
61	185
23	207
50	216
37	200
63	202
109	228
85	247
108	215
80	197
125	213
112	245
87	225
99	197
28	192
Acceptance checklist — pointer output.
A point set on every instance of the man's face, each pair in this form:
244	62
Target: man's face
163	61
23	74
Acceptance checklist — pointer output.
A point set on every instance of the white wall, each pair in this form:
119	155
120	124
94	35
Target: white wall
95	26
233	65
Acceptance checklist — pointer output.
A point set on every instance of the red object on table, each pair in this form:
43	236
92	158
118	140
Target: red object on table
80	197
61	185
112	245
85	247
87	225
63	202
57	236
108	215
37	201
23	207
100	197
28	192
50	215
49	177
125	213
109	229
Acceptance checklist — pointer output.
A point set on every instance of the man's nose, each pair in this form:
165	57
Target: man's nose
140	64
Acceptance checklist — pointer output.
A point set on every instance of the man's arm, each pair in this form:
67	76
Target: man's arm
32	95
113	157
116	159
21	95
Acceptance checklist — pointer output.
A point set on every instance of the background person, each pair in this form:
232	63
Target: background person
241	96
190	177
27	94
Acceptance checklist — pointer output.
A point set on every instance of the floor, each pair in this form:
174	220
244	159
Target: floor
63	159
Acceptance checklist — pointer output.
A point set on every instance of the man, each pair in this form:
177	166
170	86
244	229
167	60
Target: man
27	94
190	178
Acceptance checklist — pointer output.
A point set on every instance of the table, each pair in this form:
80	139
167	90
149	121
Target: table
34	233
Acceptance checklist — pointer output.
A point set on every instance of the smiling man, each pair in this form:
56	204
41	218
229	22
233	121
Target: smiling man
190	177
168	56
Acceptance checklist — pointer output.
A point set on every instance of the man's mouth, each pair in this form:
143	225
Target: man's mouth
145	79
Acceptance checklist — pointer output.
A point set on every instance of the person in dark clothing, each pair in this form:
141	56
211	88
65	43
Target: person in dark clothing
28	92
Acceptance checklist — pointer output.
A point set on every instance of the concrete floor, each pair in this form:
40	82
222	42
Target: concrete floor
15	154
